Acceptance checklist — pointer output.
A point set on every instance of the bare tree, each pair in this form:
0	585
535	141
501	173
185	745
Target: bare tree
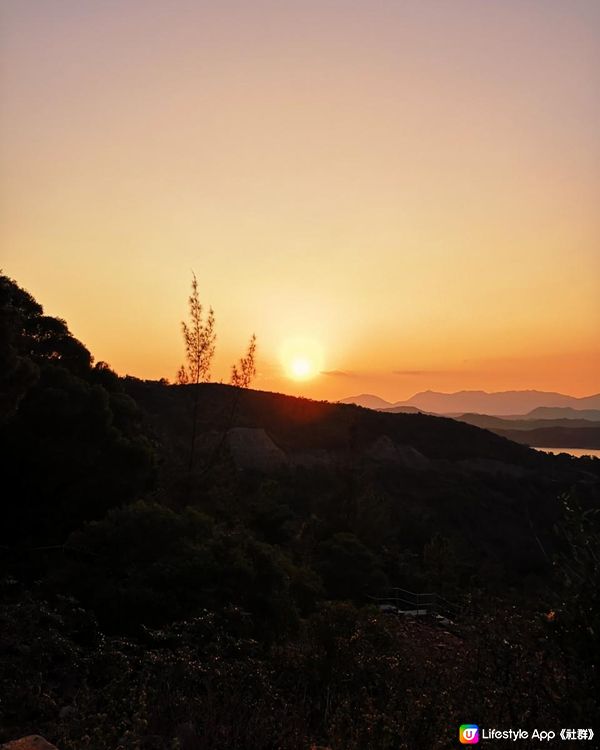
243	373
199	337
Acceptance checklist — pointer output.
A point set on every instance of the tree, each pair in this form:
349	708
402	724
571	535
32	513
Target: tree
199	337
349	569
578	567
30	340
441	563
18	373
243	374
72	441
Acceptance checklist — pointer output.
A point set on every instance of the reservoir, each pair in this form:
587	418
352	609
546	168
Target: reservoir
577	452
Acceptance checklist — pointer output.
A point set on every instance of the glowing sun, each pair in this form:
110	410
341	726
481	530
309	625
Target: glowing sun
301	368
301	359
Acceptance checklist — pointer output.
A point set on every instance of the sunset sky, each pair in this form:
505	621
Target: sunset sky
401	194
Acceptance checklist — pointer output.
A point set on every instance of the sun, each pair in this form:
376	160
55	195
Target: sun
301	368
302	358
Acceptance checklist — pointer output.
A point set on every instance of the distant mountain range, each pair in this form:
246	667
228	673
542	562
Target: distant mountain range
525	423
565	412
510	404
368	401
531	417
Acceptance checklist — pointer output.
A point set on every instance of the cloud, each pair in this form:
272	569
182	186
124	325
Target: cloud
338	373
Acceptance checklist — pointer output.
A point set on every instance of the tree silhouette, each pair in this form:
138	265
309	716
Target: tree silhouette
199	337
578	567
243	374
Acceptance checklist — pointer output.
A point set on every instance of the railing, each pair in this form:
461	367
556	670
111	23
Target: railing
406	602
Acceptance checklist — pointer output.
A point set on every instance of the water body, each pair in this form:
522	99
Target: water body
577	452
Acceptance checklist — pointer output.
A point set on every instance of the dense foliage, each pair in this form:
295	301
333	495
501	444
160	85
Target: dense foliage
348	679
71	440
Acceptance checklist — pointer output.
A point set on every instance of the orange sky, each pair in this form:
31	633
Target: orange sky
409	189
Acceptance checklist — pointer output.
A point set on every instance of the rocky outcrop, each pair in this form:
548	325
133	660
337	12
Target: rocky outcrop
385	450
252	448
31	742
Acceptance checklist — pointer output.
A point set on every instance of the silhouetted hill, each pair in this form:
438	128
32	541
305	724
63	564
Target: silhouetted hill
557	437
429	474
302	424
568	433
367	400
565	412
405	410
498	423
509	404
499	404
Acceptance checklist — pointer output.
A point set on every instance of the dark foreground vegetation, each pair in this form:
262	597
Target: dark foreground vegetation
153	600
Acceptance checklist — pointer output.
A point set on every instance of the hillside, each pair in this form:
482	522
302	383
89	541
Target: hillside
497	424
556	437
573	433
428	474
367	400
548	412
303	424
404	410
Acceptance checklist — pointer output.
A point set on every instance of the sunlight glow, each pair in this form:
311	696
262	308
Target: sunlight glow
390	180
302	358
301	368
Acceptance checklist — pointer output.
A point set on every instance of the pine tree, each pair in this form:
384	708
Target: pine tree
199	337
244	373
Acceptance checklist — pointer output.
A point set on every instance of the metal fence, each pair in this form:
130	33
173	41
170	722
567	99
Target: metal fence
401	601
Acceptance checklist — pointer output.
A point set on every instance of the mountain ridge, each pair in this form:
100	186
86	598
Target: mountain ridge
513	403
368	400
